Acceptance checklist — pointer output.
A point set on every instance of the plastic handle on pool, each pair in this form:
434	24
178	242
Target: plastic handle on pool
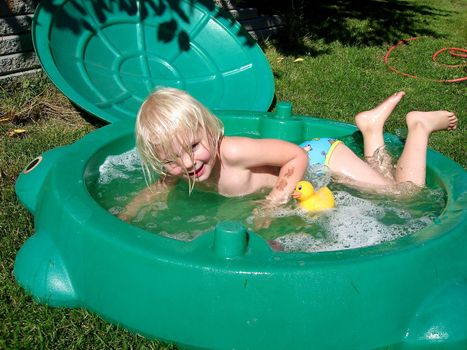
282	124
230	239
283	110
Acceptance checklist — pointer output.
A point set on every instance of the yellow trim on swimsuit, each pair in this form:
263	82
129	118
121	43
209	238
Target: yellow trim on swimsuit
331	149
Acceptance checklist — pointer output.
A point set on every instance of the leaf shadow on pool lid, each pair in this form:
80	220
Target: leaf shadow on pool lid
92	14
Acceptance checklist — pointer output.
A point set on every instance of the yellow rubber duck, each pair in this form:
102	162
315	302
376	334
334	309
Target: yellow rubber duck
312	200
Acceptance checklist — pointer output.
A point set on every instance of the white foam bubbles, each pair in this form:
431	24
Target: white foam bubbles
318	174
119	167
355	222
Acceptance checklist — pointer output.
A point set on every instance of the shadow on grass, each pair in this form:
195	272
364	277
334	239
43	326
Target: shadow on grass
354	23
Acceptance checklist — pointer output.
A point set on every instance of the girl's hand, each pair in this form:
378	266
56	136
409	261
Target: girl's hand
263	214
157	192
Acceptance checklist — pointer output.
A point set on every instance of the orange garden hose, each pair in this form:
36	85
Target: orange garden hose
453	51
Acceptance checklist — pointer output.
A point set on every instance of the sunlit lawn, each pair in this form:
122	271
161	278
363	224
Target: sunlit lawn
333	76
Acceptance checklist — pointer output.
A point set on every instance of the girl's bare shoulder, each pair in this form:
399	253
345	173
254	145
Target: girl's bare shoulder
245	150
234	148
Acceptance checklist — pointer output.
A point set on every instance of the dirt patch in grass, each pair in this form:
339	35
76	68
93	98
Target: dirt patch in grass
34	98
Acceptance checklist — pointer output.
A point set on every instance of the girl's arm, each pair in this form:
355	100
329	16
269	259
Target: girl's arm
294	162
158	191
290	158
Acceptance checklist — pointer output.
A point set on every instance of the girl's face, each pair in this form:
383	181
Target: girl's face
197	164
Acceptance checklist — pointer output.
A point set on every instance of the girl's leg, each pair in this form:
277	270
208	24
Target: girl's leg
351	169
371	123
412	162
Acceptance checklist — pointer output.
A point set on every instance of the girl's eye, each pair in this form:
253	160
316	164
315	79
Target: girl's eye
195	145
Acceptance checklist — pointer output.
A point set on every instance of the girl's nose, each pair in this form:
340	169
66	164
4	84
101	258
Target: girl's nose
187	160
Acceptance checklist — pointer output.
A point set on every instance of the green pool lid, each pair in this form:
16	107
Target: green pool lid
107	56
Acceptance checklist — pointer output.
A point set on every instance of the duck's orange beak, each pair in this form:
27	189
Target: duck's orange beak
296	195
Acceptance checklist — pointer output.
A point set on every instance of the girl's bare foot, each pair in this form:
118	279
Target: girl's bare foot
371	123
411	166
431	121
373	120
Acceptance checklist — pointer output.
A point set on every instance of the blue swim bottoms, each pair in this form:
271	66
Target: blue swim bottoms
319	149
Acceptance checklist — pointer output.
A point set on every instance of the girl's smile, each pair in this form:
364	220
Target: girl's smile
197	164
198	171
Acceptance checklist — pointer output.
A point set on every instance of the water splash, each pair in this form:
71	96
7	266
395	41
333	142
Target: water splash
359	219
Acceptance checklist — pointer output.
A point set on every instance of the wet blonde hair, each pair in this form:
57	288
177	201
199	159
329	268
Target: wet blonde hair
170	115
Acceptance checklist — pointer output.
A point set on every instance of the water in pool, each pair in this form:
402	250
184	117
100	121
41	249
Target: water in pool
359	219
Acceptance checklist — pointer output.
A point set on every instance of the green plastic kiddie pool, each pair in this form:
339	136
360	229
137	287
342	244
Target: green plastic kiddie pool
226	289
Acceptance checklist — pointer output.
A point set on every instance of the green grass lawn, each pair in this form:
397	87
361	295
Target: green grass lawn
340	72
